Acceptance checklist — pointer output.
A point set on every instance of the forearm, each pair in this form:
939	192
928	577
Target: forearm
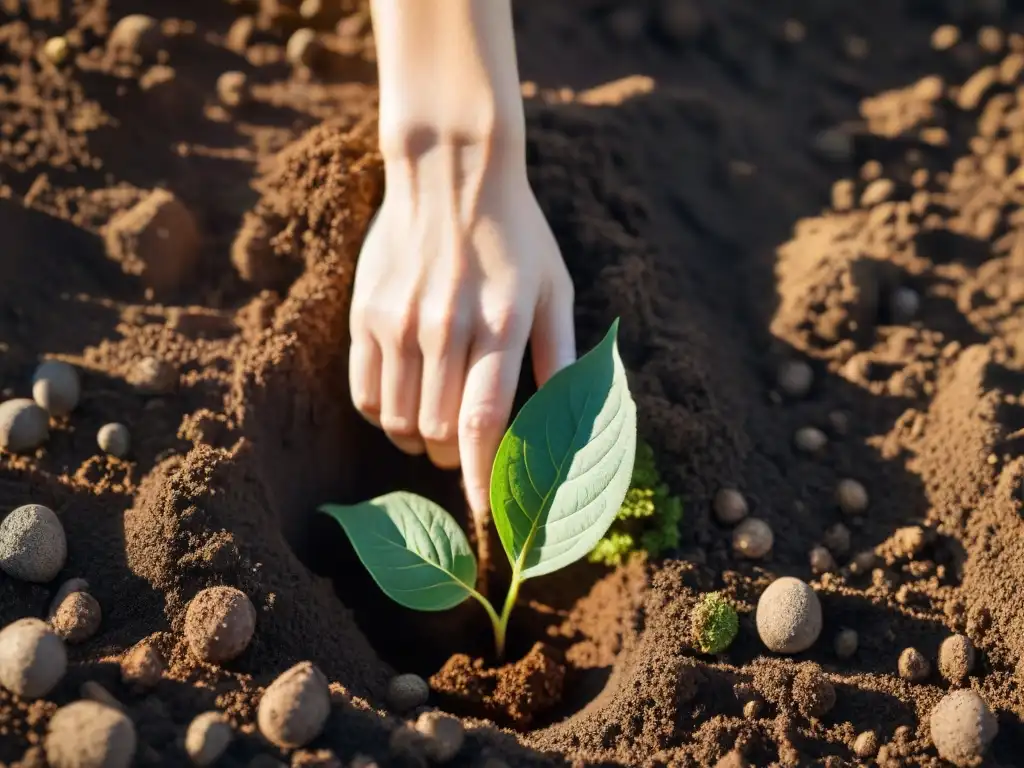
448	75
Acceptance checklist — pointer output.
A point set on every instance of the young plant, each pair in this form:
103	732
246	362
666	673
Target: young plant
561	473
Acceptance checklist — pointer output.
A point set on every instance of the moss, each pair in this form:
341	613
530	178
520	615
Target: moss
715	624
648	520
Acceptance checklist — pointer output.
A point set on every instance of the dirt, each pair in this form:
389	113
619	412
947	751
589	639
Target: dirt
744	184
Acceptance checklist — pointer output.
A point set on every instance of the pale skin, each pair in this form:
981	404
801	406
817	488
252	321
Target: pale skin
460	269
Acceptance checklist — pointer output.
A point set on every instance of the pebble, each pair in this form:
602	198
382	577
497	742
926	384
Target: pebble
956	658
862	563
913	666
406	692
71	585
56	387
788	616
153	376
32	658
865	745
87	734
837	539
877	192
219	624
904	305
810	440
207	737
752	539
77	618
114	439
33	546
142	666
945	37
95	692
851	496
795	378
730	506
963	727
304	48
24	426
233	89
846	643
56	50
821	561
444	735
294	708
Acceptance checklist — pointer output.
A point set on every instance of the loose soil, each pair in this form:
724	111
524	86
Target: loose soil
743	183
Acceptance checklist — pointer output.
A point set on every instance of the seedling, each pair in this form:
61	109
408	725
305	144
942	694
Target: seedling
558	481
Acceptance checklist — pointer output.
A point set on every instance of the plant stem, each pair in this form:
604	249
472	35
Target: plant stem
502	625
491	613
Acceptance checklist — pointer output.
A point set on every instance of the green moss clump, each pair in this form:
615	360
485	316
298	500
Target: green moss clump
715	624
648	520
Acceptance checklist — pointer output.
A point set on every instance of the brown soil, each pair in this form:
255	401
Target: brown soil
743	183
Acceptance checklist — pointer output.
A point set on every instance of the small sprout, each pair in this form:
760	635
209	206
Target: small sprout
795	378
715	624
730	506
821	561
852	497
846	643
956	658
913	666
810	440
752	539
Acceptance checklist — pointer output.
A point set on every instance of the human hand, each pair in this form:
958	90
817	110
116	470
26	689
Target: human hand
459	270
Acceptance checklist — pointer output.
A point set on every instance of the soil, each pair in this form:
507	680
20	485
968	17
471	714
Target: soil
742	183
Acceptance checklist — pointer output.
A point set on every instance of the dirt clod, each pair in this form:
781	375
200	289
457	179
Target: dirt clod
207	737
153	376
219	624
866	744
913	666
32	658
75	584
963	727
732	759
33	546
56	387
294	708
813	693
114	439
788	616
406	692
730	506
133	38
443	734
87	734
956	658
142	666
752	538
24	426
77	618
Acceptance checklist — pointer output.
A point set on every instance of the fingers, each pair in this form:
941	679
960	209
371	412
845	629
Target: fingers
553	340
493	373
400	376
445	347
364	363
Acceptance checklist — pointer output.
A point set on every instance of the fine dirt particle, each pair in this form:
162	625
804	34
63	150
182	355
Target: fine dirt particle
813	693
752	539
233	89
865	745
32	658
443	734
207	737
913	666
77	618
406	692
114	439
24	426
157	240
56	387
142	666
788	616
33	546
730	506
852	497
219	624
963	727
294	708
956	658
87	734
845	644
153	376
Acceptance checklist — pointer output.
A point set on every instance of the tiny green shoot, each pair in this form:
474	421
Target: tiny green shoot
559	478
715	624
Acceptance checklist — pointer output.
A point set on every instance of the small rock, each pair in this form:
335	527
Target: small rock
810	440
56	50
24	426
730	506
846	643
795	378
909	541
71	585
304	48
814	694
945	37
142	666
752	709
157	239
77	618
852	497
865	745
788	616
32	658
86	734
33	546
207	738
913	666
294	708
406	692
863	562
752	539
56	387
133	38
219	624
904	305
233	89
963	727
821	561
114	439
444	735
956	658
153	376
837	539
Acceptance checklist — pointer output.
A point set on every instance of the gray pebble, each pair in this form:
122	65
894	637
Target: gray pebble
56	387
795	378
32	544
904	305
730	506
810	440
407	692
32	658
114	439
846	643
752	539
24	426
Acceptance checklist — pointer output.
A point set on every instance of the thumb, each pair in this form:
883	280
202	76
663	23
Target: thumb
553	339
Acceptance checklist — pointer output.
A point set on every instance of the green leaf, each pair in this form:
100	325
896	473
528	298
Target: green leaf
564	466
413	549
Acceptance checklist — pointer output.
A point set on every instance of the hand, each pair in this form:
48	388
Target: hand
459	270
